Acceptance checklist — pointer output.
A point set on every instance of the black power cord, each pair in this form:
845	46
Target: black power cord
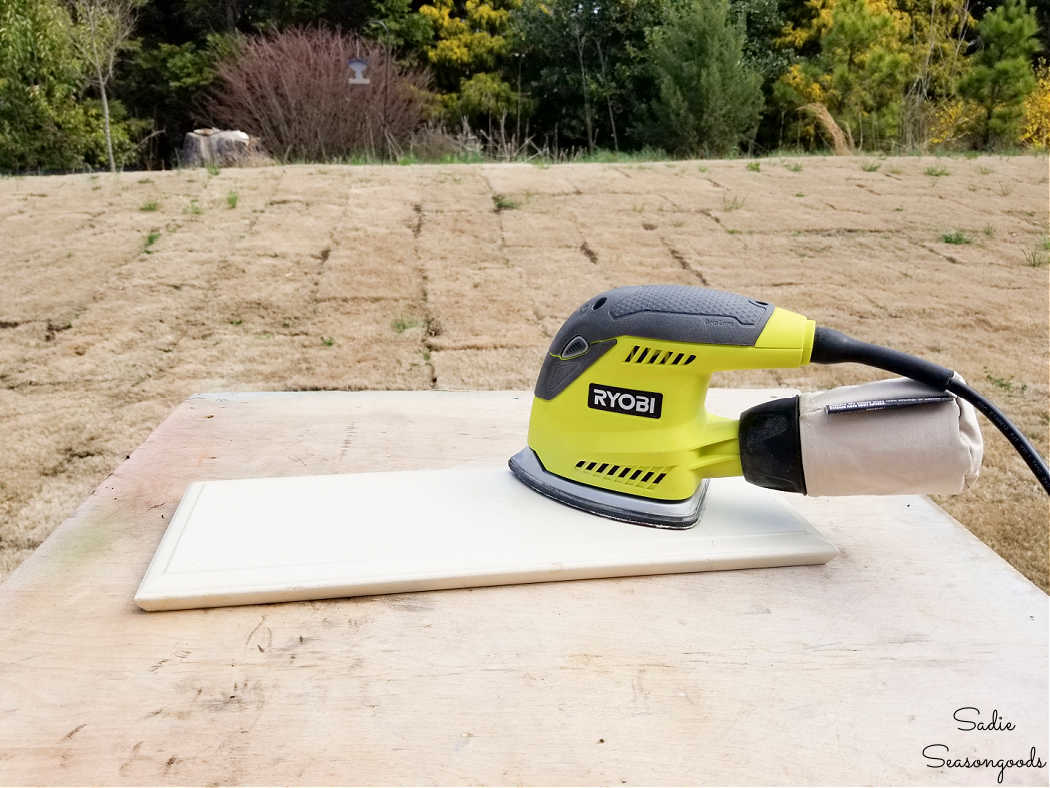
834	347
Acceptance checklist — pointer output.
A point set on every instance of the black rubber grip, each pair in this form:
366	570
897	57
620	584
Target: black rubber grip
834	347
672	313
771	446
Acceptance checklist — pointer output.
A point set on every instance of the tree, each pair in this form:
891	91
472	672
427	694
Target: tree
38	78
1001	74
708	98
857	73
581	64
394	23
101	29
938	40
469	47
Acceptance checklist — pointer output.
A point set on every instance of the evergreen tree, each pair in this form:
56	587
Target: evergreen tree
1000	77
708	97
858	72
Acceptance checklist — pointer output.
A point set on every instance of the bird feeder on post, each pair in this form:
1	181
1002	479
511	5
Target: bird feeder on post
357	68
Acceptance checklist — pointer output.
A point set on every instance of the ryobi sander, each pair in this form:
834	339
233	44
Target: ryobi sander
619	426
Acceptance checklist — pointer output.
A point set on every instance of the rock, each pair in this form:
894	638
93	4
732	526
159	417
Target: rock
221	149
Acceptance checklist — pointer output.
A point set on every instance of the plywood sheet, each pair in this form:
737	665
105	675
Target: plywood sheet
308	537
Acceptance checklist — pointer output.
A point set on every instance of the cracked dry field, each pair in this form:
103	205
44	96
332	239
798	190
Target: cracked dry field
331	277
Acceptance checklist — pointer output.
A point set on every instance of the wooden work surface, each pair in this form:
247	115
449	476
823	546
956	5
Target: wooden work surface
833	674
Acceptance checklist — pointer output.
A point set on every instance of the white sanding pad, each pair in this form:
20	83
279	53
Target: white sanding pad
312	537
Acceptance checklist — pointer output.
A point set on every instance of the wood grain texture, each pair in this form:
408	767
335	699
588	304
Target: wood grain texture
834	674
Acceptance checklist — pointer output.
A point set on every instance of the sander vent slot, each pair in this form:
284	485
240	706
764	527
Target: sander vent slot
649	355
629	475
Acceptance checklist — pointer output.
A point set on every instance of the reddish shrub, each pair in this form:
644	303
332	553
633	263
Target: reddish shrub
292	90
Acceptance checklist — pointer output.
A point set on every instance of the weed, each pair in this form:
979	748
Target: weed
426	354
870	166
894	170
213	169
733	232
231	200
402	324
406	160
327	341
1036	258
502	202
149	206
936	172
730	202
194	208
957	237
144	180
799	194
793	166
1005	188
989	231
236	322
151	239
701	168
984	170
1006	384
754	166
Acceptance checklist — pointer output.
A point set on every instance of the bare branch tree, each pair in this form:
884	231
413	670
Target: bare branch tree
100	30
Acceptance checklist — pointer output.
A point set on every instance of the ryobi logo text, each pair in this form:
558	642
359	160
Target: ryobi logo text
626	401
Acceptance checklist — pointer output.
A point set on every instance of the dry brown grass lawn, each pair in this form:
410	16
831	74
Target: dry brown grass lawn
406	277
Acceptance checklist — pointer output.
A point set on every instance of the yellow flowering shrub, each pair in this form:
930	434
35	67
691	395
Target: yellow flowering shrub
1036	128
954	121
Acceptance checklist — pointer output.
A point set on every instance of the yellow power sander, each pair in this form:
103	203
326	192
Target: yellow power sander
619	426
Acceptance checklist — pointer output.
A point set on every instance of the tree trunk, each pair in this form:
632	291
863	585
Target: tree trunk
105	119
608	98
586	96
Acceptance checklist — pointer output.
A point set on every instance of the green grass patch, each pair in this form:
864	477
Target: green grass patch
151	238
937	171
956	237
754	166
793	166
327	341
231	200
1006	384
502	202
870	166
212	169
149	206
402	324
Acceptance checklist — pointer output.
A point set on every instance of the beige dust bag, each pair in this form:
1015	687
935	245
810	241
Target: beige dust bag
888	437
